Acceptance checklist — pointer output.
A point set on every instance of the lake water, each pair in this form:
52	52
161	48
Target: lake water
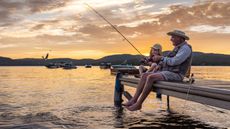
41	98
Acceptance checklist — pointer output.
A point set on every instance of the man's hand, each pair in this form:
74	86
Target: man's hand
156	58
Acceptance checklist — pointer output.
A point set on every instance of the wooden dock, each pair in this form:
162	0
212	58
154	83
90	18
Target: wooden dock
213	93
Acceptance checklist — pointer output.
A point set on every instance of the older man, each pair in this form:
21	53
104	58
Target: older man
174	68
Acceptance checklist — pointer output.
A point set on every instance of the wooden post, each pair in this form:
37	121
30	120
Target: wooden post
118	91
168	105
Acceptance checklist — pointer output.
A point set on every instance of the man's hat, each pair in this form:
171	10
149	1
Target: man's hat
178	33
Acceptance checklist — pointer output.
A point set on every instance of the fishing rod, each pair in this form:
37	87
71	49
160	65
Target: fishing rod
114	28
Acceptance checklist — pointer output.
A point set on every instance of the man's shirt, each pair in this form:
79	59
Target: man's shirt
183	53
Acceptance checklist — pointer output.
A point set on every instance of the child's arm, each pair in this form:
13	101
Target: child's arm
152	67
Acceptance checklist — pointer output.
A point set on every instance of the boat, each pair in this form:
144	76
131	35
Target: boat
125	69
69	66
105	65
123	66
52	66
88	66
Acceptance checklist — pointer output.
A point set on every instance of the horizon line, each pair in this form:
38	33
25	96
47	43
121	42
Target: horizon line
109	55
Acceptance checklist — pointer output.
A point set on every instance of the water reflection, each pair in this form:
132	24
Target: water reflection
40	98
169	120
212	72
118	117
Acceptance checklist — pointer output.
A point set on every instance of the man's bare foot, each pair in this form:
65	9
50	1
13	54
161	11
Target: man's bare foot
129	103
134	107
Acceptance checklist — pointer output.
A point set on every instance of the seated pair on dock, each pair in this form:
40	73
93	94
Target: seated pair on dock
172	67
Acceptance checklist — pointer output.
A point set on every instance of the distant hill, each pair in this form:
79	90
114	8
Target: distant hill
199	58
6	61
118	59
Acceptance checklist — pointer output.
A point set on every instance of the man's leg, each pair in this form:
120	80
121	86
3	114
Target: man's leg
147	88
138	89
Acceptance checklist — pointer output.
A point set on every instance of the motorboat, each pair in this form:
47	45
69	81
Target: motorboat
69	66
105	65
88	66
52	66
125	69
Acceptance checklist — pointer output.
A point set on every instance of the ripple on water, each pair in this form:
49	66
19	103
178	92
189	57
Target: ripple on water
157	121
41	120
100	116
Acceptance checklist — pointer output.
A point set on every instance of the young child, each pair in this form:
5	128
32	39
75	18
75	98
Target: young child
156	49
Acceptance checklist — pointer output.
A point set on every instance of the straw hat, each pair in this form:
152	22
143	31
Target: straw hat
157	46
178	33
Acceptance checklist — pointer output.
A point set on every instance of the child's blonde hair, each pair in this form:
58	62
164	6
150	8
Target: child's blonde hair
156	46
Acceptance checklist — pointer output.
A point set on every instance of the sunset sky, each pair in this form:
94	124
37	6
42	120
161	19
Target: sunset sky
68	29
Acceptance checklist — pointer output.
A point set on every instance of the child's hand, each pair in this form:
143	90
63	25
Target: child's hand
150	63
158	67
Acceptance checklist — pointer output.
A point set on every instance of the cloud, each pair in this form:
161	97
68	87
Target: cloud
26	33
90	53
14	11
138	22
38	27
209	28
140	7
6	10
212	14
44	5
2	46
96	31
215	15
78	41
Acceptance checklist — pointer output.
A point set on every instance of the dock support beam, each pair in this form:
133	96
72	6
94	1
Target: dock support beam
118	91
168	104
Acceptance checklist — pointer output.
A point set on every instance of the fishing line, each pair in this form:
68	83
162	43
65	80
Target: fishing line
191	81
113	27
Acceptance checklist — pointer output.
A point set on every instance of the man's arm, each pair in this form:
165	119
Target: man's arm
180	57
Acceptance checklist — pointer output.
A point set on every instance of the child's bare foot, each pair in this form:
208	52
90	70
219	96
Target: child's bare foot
134	107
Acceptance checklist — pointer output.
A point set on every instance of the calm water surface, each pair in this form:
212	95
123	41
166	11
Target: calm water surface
41	98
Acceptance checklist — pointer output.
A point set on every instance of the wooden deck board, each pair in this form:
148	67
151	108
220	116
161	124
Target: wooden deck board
198	82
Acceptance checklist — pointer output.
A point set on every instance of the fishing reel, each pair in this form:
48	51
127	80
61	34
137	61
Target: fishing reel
191	79
145	60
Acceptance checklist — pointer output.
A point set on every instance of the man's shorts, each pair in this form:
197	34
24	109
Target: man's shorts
171	76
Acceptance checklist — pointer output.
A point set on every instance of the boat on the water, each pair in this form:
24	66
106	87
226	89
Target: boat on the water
69	66
123	66
125	69
52	66
105	65
64	65
88	66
